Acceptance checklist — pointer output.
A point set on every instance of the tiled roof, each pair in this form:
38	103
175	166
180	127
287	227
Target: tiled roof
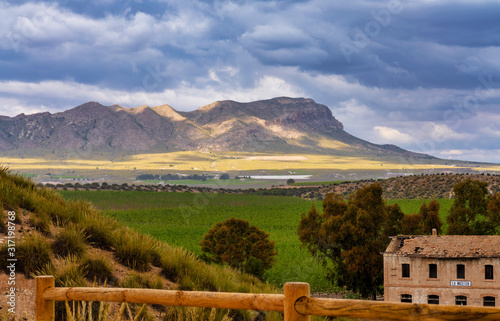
446	246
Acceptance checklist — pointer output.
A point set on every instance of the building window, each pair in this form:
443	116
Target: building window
433	299
489	301
460	271
460	300
433	271
406	298
406	270
488	272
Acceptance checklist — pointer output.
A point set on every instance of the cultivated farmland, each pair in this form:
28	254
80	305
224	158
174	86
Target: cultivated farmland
183	218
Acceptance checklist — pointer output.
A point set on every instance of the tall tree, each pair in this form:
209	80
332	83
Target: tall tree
423	222
469	212
494	209
413	224
351	235
430	216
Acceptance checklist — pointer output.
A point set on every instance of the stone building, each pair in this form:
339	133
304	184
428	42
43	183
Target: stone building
443	269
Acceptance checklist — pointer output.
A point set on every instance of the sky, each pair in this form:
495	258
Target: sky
423	75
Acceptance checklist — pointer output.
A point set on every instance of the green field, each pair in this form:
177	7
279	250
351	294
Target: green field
211	182
314	183
184	218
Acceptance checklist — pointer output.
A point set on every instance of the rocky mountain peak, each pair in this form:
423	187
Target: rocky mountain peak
282	124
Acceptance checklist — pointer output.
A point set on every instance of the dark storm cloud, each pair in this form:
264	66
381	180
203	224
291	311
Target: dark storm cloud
386	68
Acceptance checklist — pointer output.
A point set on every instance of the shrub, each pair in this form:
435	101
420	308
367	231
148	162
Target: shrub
33	254
3	224
136	280
4	255
236	243
97	269
99	231
134	250
41	222
69	241
70	274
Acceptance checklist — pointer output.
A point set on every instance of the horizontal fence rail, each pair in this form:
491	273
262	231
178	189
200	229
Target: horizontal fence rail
392	310
295	303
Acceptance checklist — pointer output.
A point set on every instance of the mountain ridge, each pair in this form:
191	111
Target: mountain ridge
282	124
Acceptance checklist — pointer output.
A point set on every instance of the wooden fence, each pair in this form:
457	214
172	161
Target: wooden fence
295	303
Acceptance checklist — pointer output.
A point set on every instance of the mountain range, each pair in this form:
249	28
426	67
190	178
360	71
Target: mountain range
278	125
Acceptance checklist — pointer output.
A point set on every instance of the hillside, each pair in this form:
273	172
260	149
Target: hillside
436	186
284	125
80	247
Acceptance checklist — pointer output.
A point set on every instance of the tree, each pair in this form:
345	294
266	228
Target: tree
349	237
494	209
424	221
290	181
224	176
236	243
430	215
469	212
412	224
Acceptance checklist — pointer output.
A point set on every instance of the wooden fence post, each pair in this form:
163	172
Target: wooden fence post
293	291
44	309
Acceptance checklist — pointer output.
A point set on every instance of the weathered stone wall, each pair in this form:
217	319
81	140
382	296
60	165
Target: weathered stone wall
419	285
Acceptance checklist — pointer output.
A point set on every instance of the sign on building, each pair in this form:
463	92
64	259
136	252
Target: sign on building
460	283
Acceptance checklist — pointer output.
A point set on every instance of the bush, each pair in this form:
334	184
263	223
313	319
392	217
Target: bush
33	254
134	250
97	269
99	231
4	255
236	243
70	274
3	224
41	222
69	241
138	281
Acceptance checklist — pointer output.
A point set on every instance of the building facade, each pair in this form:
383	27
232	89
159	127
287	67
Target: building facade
443	269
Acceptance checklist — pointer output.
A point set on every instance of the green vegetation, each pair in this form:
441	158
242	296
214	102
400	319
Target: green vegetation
69	241
236	243
313	183
351	235
474	211
217	182
410	206
33	254
67	177
74	262
97	269
29	175
182	219
134	250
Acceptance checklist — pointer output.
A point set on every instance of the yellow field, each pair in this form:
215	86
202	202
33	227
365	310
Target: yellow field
238	161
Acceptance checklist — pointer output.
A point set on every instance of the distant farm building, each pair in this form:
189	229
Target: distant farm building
443	269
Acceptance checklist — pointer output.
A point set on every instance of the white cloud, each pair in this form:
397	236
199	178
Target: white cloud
451	152
477	155
392	136
53	32
441	132
186	97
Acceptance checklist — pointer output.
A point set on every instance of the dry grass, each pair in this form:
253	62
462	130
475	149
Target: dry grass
229	161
